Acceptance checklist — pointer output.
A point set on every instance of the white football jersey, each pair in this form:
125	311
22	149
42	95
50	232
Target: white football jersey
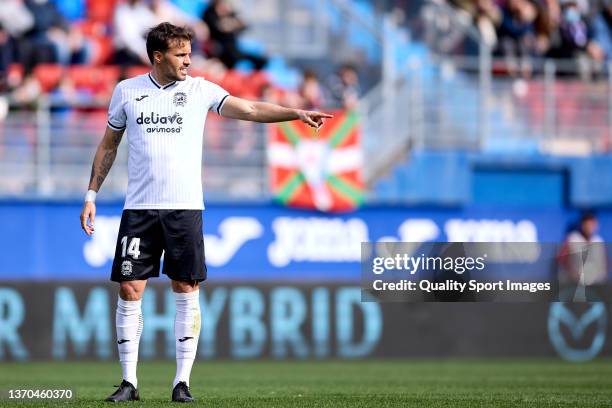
165	130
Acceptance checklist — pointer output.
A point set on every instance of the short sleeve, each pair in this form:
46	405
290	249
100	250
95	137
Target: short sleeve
116	114
216	96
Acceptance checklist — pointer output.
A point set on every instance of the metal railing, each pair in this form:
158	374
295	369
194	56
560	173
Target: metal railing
458	103
429	101
472	100
48	154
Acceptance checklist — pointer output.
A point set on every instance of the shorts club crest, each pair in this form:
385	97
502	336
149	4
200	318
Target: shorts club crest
126	268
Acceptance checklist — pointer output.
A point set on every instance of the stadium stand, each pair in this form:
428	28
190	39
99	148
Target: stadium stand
432	77
479	110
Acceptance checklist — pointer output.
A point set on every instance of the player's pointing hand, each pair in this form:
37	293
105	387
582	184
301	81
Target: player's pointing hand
313	119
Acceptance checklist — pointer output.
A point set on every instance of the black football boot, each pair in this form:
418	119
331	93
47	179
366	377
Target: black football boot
125	392
181	393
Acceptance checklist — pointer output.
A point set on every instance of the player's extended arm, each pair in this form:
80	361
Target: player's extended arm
263	112
103	161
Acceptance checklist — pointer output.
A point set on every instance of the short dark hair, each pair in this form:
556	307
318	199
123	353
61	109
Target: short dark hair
588	216
160	36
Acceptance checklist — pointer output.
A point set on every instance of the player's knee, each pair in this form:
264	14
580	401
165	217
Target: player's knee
130	291
185	286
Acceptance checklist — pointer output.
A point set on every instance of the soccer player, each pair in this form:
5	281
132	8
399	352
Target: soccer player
164	113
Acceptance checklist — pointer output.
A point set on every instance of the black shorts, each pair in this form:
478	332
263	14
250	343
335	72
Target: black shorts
145	234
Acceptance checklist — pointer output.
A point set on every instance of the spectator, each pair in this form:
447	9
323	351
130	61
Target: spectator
602	29
165	10
575	39
28	92
546	25
131	21
582	259
5	59
485	14
15	20
444	31
516	35
575	36
225	26
311	91
344	86
50	39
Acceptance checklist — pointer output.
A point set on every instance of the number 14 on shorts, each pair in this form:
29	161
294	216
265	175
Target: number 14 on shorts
133	249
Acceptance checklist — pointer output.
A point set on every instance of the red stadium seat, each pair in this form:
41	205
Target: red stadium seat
259	79
100	10
233	82
91	28
48	75
249	95
197	73
137	70
94	79
254	83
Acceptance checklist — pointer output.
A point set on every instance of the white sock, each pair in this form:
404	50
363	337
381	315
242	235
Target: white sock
187	324
128	320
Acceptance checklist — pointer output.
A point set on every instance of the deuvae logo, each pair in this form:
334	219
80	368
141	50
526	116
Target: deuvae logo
155	118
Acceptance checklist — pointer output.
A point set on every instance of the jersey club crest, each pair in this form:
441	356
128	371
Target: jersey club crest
180	99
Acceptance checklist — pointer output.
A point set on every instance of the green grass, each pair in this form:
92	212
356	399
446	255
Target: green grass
418	383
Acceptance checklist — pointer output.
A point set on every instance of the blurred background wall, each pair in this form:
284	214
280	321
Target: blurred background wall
475	121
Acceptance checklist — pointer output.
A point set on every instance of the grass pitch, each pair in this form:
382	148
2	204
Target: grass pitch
420	383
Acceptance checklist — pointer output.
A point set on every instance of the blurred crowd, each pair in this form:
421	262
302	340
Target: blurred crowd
76	50
520	30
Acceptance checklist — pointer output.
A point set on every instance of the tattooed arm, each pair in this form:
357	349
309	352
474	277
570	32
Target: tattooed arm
103	161
105	156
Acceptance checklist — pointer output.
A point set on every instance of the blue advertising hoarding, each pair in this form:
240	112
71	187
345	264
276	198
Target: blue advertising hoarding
43	241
